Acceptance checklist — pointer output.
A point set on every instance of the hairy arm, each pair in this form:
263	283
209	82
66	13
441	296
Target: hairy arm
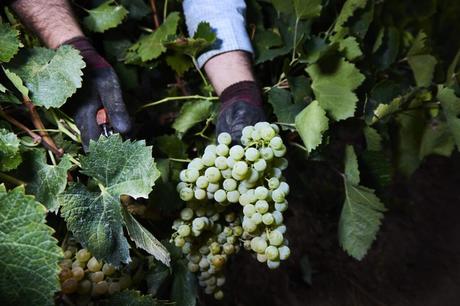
51	20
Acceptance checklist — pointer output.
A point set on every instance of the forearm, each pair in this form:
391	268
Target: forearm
51	20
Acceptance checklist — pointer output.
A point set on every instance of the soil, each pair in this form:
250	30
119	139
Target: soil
415	259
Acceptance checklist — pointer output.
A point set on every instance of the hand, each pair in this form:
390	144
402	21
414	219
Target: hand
101	88
241	106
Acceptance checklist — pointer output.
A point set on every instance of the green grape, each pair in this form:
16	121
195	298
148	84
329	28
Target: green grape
256	218
97	276
272	253
222	150
226	173
219	295
258	245
276	172
212	187
261	258
249	210
186	248
200	194
252	179
94	265
212	174
252	154
100	288
184	230
204	263
108	269
284	252
249	225
77	263
267	133
278	195
229	184
182	176
275	128
186	214
196	163
210	149
262	206
284	187
240	168
247	131
273	264
113	287
281	229
221	163
261	193
208	159
68	254
260	165
84	287
276	143
275	238
236	152
199	223
180	186
202	182
244	199
255	135
282	163
233	196
267	218
83	255
278	217
242	188
224	138
179	241
266	153
261	125
186	194
273	183
230	217
69	286
281	207
214	248
191	175
78	273
280	152
220	281
238	231
220	195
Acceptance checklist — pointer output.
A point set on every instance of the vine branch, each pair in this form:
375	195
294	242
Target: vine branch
35	137
156	21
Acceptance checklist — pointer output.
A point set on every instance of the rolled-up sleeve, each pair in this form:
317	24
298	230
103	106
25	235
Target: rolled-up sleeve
227	19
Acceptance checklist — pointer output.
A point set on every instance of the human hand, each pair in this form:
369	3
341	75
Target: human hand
241	106
101	88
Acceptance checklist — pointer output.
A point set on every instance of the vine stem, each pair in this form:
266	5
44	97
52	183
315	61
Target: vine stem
295	40
180	160
36	138
10	179
38	123
156	21
164	100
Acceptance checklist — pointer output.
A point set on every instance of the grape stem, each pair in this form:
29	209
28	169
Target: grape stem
10	179
164	100
156	21
180	160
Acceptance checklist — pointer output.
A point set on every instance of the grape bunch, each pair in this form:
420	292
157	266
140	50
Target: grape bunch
84	277
235	196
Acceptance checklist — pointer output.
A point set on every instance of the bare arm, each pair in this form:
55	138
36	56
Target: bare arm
51	20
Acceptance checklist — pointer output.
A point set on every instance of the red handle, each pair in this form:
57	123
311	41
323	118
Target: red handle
101	117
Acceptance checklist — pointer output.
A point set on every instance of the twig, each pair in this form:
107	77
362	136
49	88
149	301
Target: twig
179	160
164	100
38	123
10	179
156	22
36	138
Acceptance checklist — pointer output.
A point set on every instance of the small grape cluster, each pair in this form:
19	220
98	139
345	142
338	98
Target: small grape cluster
213	226
85	277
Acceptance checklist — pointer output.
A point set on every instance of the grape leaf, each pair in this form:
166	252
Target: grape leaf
17	82
137	8
172	146
333	87
129	298
106	16
155	277
307	9
421	62
350	47
192	113
360	220
436	139
348	10
95	218
284	109
373	139
151	46
451	107
179	63
52	76
351	166
10	156
30	254
311	123
144	239
45	181
10	42
184	289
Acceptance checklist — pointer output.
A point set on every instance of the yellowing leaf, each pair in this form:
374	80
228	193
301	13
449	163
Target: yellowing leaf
311	123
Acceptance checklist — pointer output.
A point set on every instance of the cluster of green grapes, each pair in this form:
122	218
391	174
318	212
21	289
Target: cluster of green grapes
85	277
235	196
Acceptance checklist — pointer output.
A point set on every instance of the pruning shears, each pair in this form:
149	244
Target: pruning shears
103	121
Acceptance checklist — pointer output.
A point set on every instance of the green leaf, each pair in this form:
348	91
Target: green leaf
311	123
52	76
129	298
333	87
192	113
360	220
106	16
451	107
351	166
436	139
421	62
284	109
203	38
184	289
179	63
17	82
95	218
30	254
151	46
350	47
348	10
264	42
373	139
172	146
10	157
10	42
155	278
145	240
45	181
307	9
137	8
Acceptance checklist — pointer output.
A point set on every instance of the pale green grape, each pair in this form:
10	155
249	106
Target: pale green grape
240	168
97	276
255	135
284	252
278	195
94	265
281	163
252	154
200	194
261	258
219	295
280	152
226	173
249	225
186	214
247	131
180	186
222	150
275	238
196	163
267	218
278	217
266	153
252	178
229	184
224	138
262	206
186	194
220	195
281	207
233	196
83	255
212	174
202	182
184	230
244	199
258	245
281	229
212	187
236	152
221	163
284	187
78	273
273	264
230	162
276	143
210	149
220	281
108	269
249	210
272	253
100	288
260	165
267	133
273	183
256	218
275	128
208	159
261	193
179	241
199	223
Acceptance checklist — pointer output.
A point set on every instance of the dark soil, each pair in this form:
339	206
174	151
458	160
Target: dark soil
414	261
